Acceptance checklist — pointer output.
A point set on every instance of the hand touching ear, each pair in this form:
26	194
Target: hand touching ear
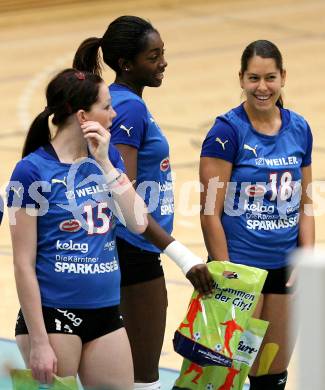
98	140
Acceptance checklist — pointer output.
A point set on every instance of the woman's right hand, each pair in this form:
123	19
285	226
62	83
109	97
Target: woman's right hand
201	279
98	139
43	362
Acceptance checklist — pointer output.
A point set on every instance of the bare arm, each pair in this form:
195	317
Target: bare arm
130	158
195	271
154	233
214	175
42	359
306	236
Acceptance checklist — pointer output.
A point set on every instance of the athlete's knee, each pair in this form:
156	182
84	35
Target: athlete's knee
269	382
147	386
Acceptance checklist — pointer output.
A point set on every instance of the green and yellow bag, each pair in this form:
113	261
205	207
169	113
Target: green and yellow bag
209	336
23	380
247	350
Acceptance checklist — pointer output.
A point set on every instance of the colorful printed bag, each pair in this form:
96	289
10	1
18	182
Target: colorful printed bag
213	328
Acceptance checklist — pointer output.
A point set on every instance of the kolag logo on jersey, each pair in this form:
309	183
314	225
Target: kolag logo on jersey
72	246
255	190
258	208
164	164
70	226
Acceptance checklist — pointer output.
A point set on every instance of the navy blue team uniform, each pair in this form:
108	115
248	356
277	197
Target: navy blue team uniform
135	126
76	265
264	193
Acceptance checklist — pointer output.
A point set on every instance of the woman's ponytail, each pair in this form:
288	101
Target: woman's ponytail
87	57
38	134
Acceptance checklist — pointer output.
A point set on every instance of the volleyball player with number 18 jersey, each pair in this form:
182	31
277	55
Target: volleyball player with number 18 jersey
256	208
264	193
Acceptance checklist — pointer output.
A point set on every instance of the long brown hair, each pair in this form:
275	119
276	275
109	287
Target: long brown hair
68	92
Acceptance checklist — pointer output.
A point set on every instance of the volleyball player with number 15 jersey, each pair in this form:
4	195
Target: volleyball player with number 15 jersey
62	197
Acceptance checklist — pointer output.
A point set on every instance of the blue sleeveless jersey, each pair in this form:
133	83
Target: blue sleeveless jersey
261	210
135	126
76	261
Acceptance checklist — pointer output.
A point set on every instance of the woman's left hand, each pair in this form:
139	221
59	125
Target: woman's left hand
98	139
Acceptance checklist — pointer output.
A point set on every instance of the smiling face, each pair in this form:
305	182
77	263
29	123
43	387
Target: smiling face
262	82
147	69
